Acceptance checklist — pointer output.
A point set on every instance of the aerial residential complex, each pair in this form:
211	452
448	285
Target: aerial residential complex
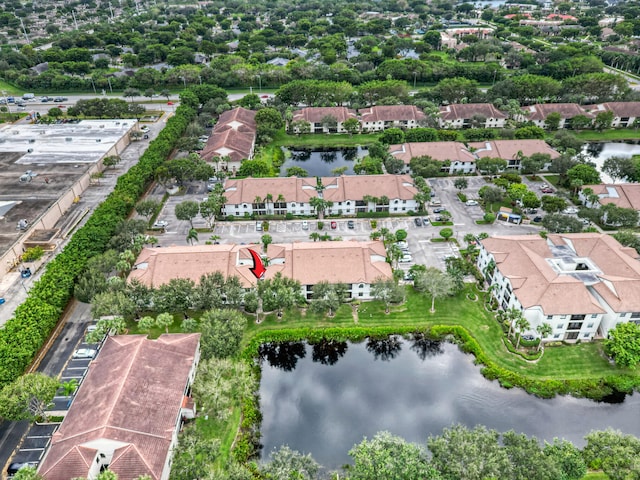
582	284
349	194
354	264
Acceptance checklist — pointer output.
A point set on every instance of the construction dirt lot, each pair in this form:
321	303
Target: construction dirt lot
29	198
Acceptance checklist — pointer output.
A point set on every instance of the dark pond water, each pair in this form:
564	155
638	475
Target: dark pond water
323	399
598	152
321	162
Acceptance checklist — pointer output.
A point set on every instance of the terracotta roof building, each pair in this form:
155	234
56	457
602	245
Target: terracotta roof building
625	114
455	155
538	113
464	115
128	410
315	116
581	284
624	195
232	140
356	264
279	196
381	117
512	150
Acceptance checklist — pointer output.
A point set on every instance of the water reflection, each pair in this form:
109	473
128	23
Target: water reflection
328	352
284	356
425	347
427	386
321	162
384	349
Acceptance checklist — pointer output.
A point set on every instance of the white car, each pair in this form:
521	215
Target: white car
471	203
160	224
570	210
84	353
305	225
406	259
402	245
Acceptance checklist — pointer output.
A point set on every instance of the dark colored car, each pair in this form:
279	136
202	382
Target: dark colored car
351	224
438	210
15	466
537	219
25	273
417	221
547	190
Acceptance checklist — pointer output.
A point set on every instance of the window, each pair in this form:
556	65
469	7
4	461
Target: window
360	294
595	315
549	317
560	325
635	315
574	326
590	325
586	335
557	335
622	315
361	285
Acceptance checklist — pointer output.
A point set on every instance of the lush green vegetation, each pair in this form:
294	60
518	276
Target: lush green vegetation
283	139
24	334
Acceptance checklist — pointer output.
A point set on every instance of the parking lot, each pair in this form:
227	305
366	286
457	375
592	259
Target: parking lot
420	246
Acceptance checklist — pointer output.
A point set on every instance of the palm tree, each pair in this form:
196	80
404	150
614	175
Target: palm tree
268	200
394	254
421	199
315	236
521	324
320	205
192	236
544	330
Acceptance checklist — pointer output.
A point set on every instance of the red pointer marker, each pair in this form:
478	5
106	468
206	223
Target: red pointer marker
258	268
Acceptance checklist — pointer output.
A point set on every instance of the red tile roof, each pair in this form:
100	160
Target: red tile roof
233	136
457	111
128	405
541	111
340	261
511	149
442	151
389	113
316	114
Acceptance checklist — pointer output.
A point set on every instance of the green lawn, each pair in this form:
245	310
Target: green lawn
581	361
609	135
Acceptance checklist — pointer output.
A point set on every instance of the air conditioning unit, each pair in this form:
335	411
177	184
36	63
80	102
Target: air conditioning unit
30	150
98	140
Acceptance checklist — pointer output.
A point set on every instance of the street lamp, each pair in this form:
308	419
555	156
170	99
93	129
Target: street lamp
259	82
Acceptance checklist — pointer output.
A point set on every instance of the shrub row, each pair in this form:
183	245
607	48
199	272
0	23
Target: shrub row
34	320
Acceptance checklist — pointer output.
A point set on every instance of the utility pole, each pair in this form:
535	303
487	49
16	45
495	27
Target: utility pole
24	30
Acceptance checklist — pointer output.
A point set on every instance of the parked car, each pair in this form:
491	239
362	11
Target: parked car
258	226
547	190
425	221
351	224
83	353
537	219
160	224
438	218
402	245
305	225
15	466
417	221
406	259
528	337
438	210
471	203
334	224
2	300
25	272
532	210
570	210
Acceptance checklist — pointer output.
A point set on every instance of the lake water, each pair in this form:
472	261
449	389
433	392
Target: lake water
319	163
324	399
599	152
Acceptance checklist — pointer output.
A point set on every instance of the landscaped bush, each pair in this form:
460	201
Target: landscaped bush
34	320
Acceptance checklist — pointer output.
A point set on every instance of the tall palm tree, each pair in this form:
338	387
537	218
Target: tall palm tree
544	330
521	324
192	236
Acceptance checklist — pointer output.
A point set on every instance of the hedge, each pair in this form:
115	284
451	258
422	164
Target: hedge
33	321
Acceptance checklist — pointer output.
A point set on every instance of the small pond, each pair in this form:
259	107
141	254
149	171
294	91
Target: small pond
598	152
319	163
325	398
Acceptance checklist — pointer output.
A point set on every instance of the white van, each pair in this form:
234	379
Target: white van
28	96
